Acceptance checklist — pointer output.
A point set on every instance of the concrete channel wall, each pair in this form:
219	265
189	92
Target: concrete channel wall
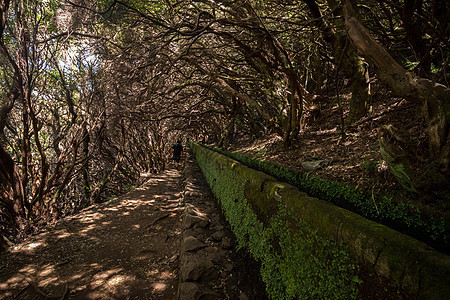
409	264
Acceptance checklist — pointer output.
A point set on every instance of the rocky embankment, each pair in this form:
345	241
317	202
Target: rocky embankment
210	268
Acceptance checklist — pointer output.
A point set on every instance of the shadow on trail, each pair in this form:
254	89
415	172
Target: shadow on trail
125	248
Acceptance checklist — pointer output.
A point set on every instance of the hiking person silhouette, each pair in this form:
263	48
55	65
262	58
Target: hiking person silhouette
177	151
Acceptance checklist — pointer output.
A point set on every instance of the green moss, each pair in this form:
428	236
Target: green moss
403	217
279	226
311	267
296	262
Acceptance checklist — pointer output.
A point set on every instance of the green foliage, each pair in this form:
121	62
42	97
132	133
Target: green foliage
400	172
296	263
311	266
128	188
371	166
410	65
404	217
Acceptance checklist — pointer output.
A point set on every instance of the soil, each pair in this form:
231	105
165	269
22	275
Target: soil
356	160
127	248
232	274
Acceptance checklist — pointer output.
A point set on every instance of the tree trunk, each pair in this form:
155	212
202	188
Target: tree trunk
295	108
361	100
352	64
228	133
86	181
433	97
11	186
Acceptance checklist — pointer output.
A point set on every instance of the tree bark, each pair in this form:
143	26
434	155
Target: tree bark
352	64
11	186
85	171
295	100
433	97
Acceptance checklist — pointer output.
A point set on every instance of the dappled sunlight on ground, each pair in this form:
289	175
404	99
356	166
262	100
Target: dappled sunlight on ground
160	287
112	250
29	247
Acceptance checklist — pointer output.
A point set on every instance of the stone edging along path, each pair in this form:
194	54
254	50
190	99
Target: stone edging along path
208	264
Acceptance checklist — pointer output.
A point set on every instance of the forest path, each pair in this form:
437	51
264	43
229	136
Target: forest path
126	248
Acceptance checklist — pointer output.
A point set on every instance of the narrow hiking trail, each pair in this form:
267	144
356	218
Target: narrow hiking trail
126	248
162	240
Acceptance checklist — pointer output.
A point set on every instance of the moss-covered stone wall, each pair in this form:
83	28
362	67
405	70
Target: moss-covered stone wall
310	248
405	217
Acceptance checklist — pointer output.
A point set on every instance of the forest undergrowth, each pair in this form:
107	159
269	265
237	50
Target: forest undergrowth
355	160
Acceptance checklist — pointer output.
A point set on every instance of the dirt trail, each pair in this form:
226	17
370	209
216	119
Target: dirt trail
127	248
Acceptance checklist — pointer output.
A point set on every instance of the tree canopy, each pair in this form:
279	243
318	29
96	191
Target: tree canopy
93	93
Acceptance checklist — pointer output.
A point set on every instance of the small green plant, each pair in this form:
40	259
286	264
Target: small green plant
404	217
296	262
410	65
370	166
260	154
129	188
